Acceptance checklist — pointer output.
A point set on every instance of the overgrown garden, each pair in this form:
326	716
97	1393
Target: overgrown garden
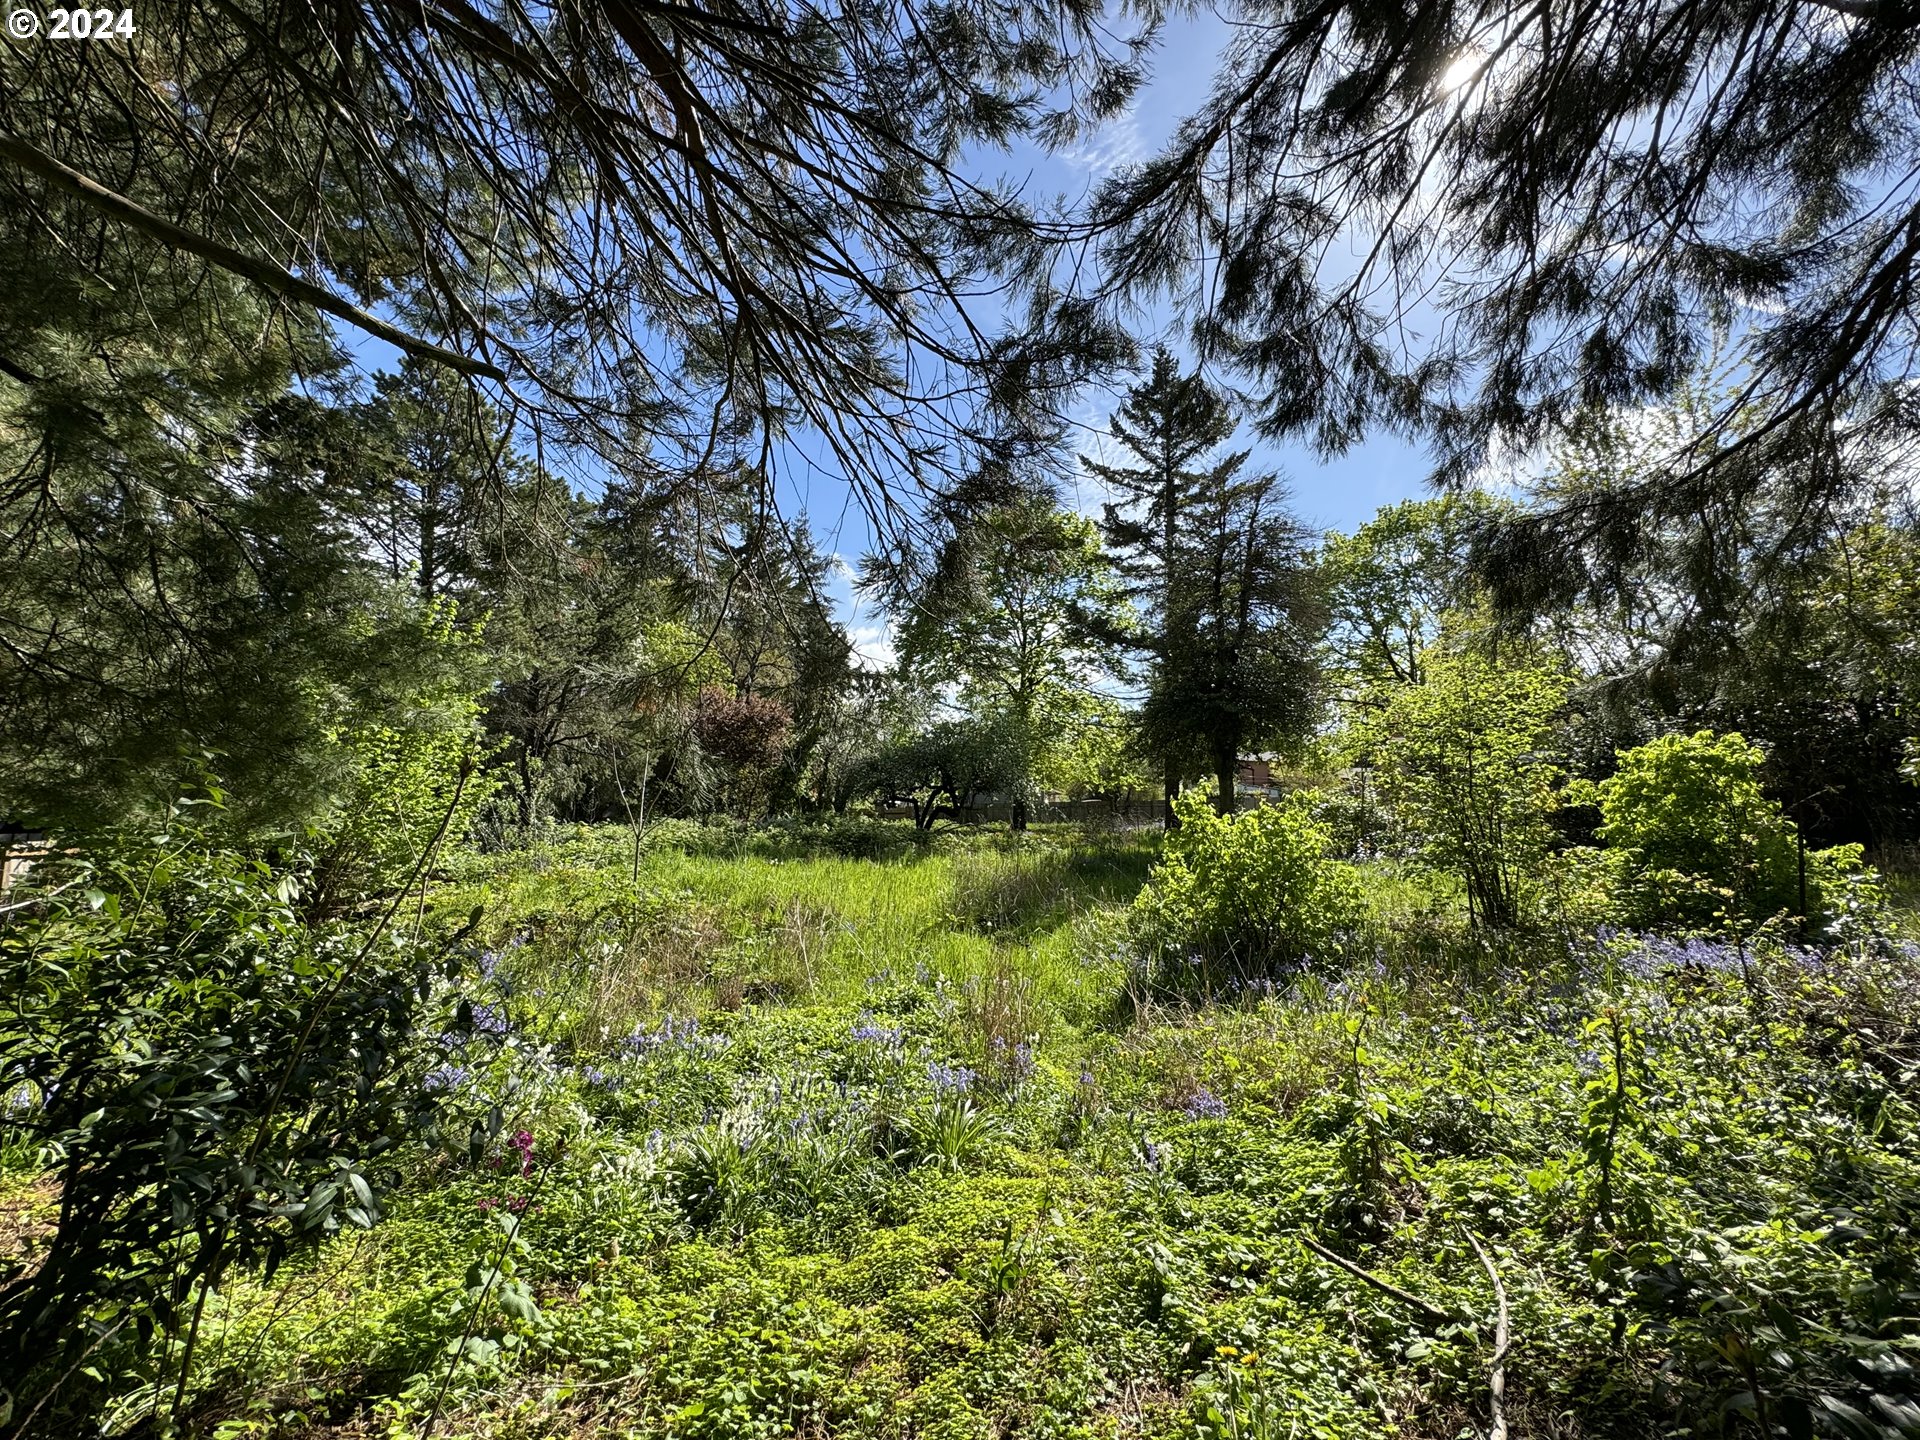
674	761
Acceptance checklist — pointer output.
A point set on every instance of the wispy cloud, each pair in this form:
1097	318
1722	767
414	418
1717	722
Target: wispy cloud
1118	142
1092	438
873	647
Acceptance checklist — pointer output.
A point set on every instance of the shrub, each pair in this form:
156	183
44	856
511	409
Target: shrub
1699	844
749	734
406	776
1464	762
211	1079
1253	891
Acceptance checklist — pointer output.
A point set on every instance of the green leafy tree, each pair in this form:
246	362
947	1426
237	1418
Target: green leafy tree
1013	627
1465	762
1392	584
1097	755
411	775
942	767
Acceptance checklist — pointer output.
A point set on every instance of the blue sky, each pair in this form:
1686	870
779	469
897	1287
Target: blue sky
1329	495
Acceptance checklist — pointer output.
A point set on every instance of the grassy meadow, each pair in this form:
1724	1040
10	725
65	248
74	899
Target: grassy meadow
832	1134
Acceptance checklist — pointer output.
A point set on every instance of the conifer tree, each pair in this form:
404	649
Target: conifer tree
1245	601
1482	222
1170	423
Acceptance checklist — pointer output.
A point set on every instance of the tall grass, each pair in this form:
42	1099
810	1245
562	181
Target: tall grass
1017	924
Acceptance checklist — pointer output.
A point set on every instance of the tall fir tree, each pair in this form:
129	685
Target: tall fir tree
1245	601
1170	423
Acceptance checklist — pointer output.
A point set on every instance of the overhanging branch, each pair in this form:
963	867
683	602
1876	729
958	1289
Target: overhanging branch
261	272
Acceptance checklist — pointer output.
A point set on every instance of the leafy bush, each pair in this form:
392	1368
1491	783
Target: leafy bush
1700	845
1464	762
211	1079
1252	892
407	777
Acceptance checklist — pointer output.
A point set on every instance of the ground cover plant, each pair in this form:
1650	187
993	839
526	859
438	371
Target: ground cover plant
787	1143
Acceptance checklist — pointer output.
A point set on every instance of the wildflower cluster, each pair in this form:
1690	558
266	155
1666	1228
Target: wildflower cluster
1014	1063
950	1079
671	1033
1203	1104
443	1079
867	1032
1647	957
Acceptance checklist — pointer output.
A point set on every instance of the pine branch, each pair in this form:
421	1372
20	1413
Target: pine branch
261	272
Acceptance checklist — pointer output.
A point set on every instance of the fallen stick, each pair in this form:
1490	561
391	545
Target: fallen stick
1432	1312
1497	1386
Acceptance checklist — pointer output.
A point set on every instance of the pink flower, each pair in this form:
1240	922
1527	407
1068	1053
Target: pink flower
523	1142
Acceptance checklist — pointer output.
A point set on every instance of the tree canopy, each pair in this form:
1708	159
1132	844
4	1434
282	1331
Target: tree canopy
678	228
1551	212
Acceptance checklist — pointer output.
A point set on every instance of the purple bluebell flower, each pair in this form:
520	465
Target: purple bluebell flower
644	1044
1203	1104
443	1078
950	1079
871	1033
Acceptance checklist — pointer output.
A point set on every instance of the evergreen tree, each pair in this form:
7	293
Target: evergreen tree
698	224
1169	423
174	600
1482	221
434	478
1246	601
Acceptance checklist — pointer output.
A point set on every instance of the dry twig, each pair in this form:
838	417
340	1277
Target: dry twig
1497	1386
1433	1313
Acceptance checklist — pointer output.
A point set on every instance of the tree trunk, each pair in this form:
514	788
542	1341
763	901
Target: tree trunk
525	798
1017	819
1226	766
1173	793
